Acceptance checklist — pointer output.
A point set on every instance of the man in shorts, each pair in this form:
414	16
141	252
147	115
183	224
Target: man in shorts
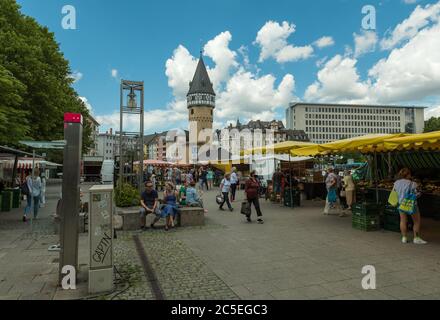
149	204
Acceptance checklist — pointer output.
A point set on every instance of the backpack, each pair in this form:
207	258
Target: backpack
25	189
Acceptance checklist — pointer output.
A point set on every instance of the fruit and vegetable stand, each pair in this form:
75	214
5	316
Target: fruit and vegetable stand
387	155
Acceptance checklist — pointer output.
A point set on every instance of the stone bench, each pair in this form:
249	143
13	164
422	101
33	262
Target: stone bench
130	218
191	217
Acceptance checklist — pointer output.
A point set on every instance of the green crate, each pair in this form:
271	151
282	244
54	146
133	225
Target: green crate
367	209
6	201
366	223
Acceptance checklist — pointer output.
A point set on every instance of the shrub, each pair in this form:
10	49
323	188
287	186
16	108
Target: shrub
126	196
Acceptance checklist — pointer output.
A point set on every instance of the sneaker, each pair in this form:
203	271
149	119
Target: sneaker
231	209
221	209
404	240
419	240
24	218
260	221
248	219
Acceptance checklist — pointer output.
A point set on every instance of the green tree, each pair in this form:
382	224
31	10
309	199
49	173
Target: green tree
433	124
13	122
37	79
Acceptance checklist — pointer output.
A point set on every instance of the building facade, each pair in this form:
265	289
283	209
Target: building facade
108	145
201	105
256	134
329	122
93	150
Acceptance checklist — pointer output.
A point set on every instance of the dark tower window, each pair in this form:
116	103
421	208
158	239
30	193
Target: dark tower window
211	112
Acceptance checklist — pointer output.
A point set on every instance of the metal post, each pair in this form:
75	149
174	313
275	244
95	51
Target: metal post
290	181
70	202
14	171
376	176
141	142
121	158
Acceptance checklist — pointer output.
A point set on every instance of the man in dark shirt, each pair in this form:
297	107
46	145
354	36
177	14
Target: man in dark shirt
149	204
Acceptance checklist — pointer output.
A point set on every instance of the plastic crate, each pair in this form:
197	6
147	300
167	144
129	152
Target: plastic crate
367	209
6	201
366	222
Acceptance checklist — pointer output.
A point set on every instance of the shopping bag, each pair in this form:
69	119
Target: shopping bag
245	208
408	204
343	194
331	197
219	199
393	198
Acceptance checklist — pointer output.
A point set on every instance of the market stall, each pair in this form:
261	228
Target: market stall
283	148
387	155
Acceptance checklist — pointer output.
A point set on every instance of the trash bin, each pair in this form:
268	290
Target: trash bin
6	201
16	194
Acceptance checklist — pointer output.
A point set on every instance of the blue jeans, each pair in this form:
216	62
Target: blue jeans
28	207
36	205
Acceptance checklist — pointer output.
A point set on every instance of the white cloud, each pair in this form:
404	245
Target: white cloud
180	70
410	1
324	42
419	18
432	112
321	62
224	58
87	104
338	80
410	73
76	76
241	90
249	96
364	42
272	39
114	73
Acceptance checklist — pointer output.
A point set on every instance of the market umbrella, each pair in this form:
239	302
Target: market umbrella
365	144
424	141
279	148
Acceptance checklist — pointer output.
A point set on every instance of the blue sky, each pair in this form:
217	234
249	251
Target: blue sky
138	37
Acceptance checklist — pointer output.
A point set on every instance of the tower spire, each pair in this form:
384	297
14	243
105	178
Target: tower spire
201	82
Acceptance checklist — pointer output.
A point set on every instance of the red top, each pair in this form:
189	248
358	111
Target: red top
251	188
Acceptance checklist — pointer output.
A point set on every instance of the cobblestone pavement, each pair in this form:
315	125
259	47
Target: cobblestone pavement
301	254
297	254
180	273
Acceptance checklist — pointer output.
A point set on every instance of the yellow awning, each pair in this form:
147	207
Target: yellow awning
422	141
279	148
364	144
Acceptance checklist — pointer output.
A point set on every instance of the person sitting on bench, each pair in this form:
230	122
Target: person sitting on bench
192	197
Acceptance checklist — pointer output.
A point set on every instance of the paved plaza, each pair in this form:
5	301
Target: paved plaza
296	254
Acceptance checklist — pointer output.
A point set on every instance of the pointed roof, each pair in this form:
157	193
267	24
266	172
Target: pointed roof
201	82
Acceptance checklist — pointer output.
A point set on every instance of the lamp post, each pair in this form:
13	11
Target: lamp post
129	105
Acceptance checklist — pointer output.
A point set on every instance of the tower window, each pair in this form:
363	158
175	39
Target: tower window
192	111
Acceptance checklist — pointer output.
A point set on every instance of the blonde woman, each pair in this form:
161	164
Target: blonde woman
403	187
350	189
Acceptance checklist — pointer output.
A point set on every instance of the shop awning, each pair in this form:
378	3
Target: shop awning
423	141
282	147
364	144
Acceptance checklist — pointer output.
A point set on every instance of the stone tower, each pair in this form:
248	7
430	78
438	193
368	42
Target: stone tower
201	105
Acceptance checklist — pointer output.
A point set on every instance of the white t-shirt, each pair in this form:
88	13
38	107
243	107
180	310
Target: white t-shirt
226	185
234	178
